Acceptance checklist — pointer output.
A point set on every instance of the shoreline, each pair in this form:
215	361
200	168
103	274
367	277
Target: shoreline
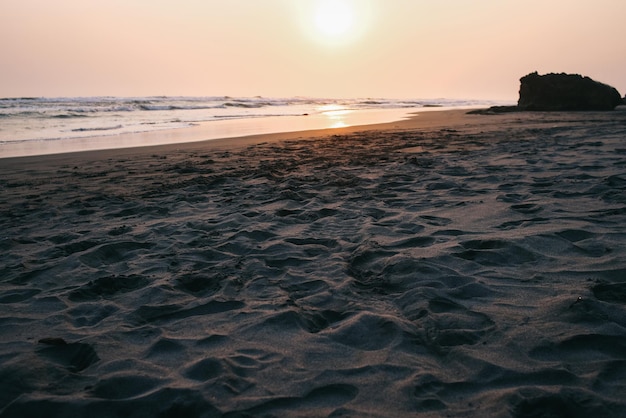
204	134
422	119
205	131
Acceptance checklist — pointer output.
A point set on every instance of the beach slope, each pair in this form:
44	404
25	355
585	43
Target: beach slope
449	265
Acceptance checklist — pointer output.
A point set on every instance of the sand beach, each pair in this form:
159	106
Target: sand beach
450	265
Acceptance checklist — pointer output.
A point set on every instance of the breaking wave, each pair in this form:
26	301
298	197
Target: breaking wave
40	119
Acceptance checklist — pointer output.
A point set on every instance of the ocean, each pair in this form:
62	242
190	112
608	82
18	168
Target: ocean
34	126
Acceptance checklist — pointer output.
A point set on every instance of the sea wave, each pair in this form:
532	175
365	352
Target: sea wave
99	128
70	115
31	118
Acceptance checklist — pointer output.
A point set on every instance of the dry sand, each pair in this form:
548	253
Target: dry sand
451	265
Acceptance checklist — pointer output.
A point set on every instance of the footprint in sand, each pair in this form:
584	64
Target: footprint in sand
76	357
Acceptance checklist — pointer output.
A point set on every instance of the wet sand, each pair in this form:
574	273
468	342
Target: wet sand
449	265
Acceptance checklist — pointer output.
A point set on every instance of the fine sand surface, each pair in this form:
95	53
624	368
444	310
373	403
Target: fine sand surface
452	265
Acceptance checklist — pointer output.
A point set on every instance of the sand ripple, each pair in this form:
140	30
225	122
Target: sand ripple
455	272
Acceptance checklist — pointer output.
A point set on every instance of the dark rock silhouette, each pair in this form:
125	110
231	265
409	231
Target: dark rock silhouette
565	92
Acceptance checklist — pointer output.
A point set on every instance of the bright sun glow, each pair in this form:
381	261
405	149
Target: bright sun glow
334	23
334	18
336	115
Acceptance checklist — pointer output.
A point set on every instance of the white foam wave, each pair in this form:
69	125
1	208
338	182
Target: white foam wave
40	119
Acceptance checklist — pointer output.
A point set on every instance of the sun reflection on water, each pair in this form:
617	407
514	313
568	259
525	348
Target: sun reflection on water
336	115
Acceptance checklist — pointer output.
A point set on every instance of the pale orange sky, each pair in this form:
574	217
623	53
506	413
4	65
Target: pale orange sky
393	48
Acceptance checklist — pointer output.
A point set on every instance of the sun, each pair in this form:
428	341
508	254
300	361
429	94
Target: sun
334	23
334	18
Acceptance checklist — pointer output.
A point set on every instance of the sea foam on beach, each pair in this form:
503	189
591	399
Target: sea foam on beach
462	271
38	126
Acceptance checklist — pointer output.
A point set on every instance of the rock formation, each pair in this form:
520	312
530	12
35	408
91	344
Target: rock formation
565	92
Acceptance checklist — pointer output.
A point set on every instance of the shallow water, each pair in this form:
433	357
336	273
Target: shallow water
226	128
37	126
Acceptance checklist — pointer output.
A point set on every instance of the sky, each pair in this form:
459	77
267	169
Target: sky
457	49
